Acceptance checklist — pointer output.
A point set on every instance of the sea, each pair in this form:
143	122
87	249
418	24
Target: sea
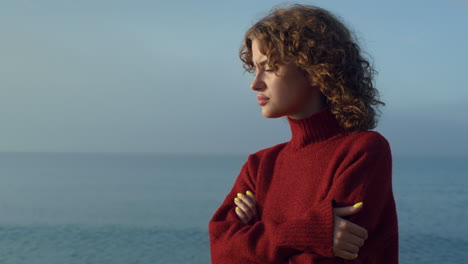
144	208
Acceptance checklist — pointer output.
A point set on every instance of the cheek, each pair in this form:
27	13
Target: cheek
282	90
290	91
287	98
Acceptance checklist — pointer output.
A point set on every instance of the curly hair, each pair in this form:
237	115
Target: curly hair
321	46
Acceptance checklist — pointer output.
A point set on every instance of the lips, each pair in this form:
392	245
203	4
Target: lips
262	100
261	97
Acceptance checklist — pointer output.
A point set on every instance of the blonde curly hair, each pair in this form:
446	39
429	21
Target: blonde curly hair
321	46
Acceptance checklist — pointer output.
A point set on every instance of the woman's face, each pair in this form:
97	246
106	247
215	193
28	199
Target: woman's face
289	91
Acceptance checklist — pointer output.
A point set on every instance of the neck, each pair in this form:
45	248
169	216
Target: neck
314	128
315	105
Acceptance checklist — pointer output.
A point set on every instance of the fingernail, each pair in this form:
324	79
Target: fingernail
237	208
236	199
357	205
249	193
239	195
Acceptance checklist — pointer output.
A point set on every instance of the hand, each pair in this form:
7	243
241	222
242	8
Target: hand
347	237
246	208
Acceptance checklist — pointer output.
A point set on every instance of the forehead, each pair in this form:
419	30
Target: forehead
257	55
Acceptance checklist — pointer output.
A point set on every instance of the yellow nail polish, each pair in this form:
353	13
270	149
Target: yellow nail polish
236	199
357	205
239	195
237	208
249	193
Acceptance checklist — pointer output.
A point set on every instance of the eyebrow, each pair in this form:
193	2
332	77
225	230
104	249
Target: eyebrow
263	62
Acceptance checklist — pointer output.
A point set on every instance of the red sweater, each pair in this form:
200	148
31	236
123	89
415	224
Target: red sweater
297	184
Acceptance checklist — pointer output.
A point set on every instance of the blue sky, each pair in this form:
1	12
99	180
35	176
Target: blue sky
153	76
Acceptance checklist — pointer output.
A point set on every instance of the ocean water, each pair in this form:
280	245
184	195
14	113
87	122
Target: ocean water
147	208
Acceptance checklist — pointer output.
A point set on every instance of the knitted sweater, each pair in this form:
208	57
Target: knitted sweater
297	184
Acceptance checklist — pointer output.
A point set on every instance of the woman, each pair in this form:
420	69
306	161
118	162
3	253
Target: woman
290	201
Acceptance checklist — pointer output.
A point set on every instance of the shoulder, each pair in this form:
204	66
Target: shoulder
263	156
362	153
366	147
365	141
267	152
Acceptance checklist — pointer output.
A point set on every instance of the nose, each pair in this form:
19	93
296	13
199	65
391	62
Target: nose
257	84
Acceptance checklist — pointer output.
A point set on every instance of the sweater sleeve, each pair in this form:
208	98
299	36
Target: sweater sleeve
265	240
366	176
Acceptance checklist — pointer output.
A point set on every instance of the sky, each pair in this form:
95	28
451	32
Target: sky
165	77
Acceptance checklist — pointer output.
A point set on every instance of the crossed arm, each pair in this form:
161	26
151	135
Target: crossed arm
347	236
364	177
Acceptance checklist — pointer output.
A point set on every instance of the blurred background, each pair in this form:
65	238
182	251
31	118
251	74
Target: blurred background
125	123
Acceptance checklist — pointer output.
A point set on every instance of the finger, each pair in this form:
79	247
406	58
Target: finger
347	227
252	209
249	202
247	198
349	242
355	240
251	195
342	238
248	212
345	254
348	247
351	248
357	230
348	210
241	215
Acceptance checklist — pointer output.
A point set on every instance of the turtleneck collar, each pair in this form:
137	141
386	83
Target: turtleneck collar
314	128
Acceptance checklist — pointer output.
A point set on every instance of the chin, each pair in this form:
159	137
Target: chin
271	114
